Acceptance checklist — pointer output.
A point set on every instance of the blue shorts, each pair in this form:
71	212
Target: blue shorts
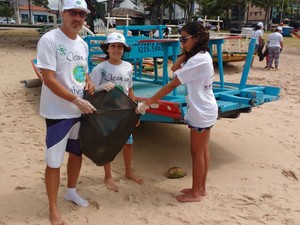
130	140
61	136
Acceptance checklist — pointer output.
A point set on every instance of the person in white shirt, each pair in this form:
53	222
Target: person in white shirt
165	32
194	68
62	58
258	34
115	72
275	46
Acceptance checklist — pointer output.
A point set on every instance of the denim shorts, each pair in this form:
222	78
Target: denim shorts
198	129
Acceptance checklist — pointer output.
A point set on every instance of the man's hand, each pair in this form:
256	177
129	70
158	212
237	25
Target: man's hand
84	105
107	86
141	108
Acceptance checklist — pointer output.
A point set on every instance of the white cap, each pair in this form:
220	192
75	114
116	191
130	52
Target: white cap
279	29
260	24
116	37
75	4
200	20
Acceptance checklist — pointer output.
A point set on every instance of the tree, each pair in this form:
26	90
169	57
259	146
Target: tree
220	8
170	5
6	11
156	9
42	3
189	10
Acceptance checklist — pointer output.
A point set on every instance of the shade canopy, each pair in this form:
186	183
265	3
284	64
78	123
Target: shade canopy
127	7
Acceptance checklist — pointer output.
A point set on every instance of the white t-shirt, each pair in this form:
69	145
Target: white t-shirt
120	75
198	75
275	39
68	58
156	34
169	31
256	34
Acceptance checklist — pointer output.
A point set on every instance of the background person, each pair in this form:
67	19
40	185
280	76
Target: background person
258	34
275	46
62	58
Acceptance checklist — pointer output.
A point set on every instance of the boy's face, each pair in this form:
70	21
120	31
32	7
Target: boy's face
115	51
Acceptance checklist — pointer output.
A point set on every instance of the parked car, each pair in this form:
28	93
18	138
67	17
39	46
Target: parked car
7	21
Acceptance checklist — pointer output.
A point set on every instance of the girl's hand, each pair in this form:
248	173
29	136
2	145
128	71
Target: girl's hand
141	108
138	123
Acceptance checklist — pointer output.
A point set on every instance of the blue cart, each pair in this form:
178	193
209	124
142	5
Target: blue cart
232	98
287	31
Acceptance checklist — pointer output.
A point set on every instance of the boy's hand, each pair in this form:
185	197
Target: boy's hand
107	86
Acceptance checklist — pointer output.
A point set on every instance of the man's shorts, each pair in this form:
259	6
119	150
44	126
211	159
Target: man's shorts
61	136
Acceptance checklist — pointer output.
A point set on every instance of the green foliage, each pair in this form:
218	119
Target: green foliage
222	8
5	11
42	3
44	29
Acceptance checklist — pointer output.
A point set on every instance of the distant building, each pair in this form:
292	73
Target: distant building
38	14
256	14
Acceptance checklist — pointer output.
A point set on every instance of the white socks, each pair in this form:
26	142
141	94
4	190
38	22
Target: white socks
72	195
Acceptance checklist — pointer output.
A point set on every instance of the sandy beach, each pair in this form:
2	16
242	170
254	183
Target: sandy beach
255	159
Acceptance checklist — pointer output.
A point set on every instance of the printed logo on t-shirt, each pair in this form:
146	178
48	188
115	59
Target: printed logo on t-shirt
115	78
62	50
79	74
78	2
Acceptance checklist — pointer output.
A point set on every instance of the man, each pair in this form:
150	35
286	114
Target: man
62	58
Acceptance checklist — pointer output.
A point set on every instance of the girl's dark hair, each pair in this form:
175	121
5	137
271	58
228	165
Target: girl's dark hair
201	34
104	48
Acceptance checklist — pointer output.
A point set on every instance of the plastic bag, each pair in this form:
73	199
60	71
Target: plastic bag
103	133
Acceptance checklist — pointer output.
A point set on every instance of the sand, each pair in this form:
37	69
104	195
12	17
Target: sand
253	177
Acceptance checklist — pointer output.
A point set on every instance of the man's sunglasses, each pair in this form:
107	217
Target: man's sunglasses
184	39
72	12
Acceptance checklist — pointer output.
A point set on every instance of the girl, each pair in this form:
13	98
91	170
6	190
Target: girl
194	68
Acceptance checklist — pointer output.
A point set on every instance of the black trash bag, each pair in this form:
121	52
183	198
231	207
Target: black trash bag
103	133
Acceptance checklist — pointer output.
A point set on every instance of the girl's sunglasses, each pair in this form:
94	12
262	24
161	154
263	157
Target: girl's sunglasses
184	39
73	12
